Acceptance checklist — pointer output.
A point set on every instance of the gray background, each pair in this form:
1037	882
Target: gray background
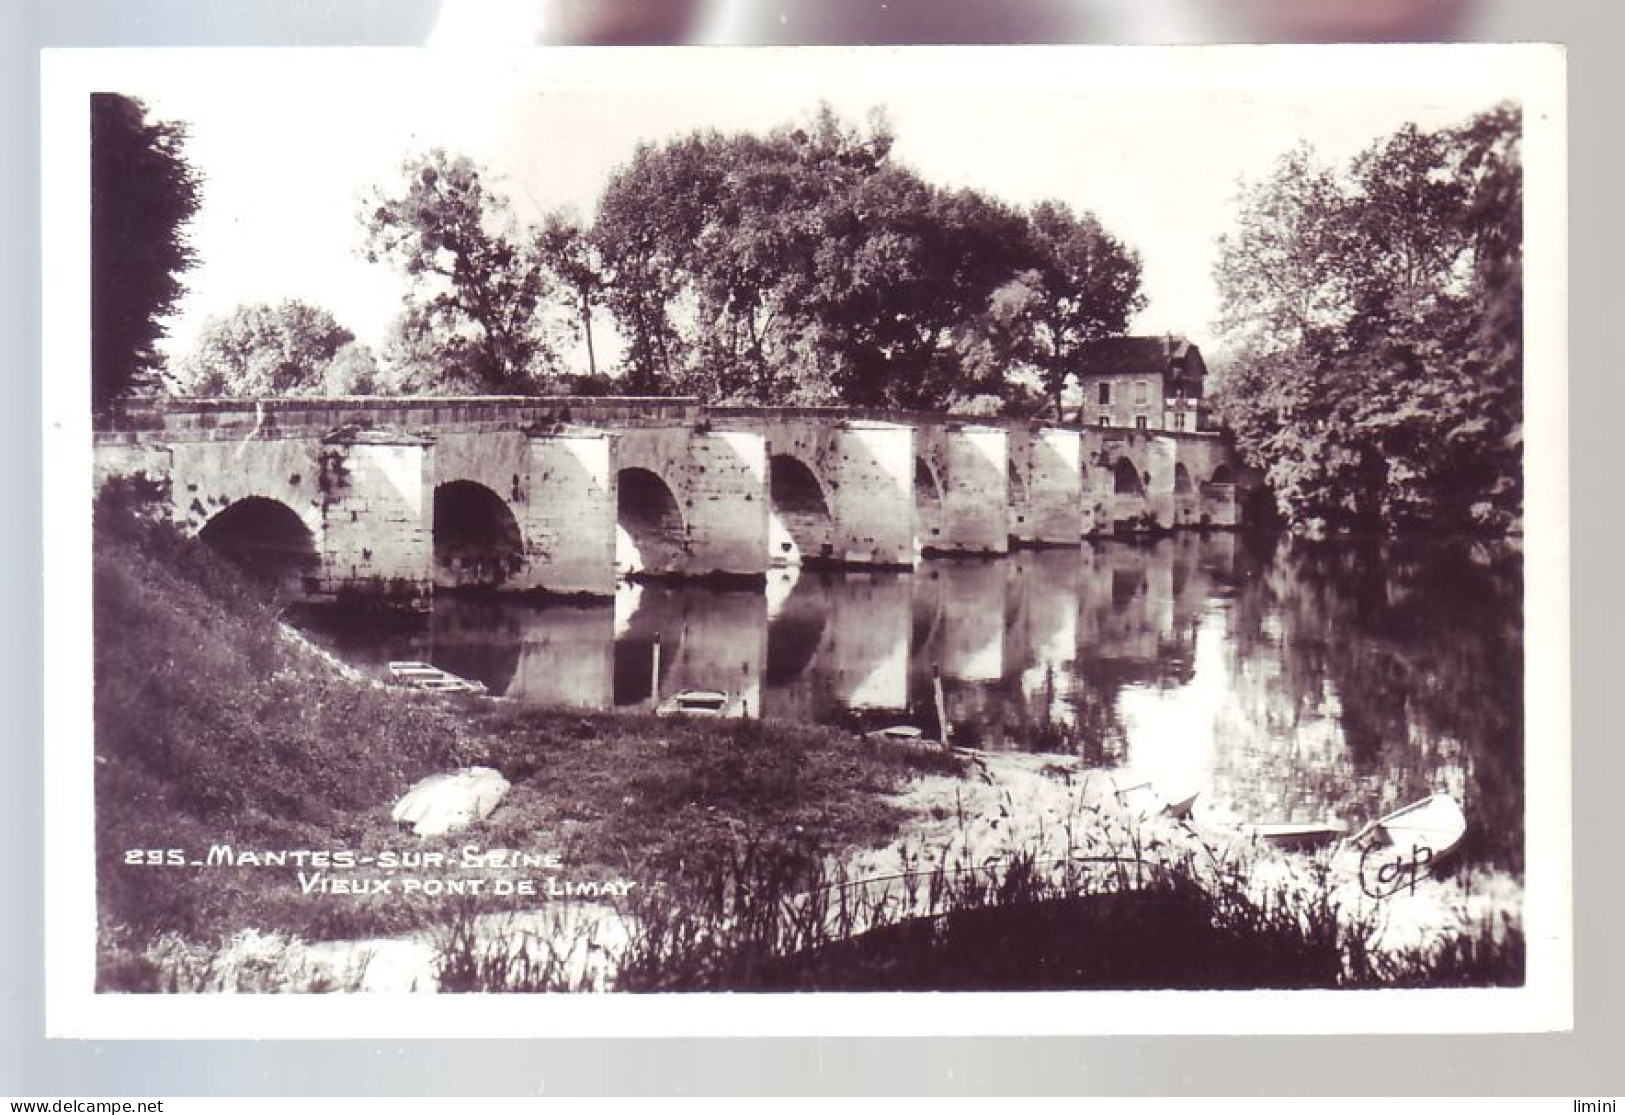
1583	1064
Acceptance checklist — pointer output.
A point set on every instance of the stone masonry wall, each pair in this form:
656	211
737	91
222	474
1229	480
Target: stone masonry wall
376	539
361	474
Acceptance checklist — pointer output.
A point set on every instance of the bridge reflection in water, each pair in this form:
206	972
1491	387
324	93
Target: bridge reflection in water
1287	682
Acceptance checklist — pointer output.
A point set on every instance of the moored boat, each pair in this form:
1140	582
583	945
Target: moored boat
423	675
1294	836
695	702
1435	823
897	733
1147	799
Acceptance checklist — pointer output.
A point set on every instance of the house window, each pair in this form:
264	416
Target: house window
1105	394
1139	422
1105	420
1179	420
1179	391
1140	392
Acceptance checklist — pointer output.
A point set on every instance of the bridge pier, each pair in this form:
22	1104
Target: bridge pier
1219	505
568	520
1161	459
872	493
975	477
725	503
1054	475
377	493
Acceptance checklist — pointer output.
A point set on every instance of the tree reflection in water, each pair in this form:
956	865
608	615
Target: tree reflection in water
1289	681
1402	662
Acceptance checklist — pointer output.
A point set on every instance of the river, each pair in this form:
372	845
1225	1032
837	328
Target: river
1287	681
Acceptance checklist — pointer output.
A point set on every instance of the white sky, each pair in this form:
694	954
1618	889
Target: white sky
1153	142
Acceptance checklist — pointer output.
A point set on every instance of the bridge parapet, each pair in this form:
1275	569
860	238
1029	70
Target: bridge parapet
547	493
222	419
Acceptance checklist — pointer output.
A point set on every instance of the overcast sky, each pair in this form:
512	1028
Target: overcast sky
1154	143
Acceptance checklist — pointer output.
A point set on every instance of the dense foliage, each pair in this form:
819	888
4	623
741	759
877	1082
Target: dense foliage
142	194
805	265
1375	322
284	349
1084	286
808	265
472	322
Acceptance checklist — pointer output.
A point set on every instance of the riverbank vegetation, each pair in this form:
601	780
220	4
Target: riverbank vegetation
1114	902
215	726
762	856
1373	317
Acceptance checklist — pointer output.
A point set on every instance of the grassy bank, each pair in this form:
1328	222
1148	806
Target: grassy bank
753	856
1090	896
216	726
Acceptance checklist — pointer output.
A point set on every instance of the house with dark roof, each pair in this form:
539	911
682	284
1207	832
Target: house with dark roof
1143	383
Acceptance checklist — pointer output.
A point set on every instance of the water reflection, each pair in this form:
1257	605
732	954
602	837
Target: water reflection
1289	682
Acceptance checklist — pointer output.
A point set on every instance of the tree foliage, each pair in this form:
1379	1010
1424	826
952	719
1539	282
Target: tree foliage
804	265
476	283
142	194
1084	287
263	349
807	265
1374	314
354	370
569	252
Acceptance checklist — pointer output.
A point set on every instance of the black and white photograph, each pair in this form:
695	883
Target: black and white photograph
1044	539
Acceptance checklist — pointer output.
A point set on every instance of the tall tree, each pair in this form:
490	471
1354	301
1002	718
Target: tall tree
567	250
803	265
1280	272
650	223
1374	318
1085	287
476	282
264	349
905	273
142	194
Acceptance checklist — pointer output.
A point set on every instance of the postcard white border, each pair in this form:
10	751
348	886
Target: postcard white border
1545	1003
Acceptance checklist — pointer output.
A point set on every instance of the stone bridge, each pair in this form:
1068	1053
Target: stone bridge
361	498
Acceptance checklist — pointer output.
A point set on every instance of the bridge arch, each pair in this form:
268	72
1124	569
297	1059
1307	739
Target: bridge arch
1130	507
268	540
801	529
1126	479
477	540
650	534
1223	475
927	507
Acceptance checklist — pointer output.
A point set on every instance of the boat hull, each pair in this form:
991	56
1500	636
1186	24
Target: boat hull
1296	837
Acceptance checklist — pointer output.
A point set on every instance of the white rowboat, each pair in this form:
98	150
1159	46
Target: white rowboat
1145	799
694	702
1435	823
422	675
